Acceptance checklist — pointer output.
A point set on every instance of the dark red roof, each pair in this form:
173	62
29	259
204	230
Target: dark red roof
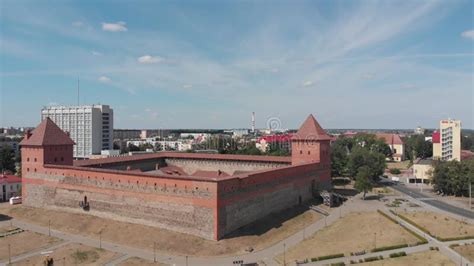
436	137
9	179
47	133
390	139
311	130
276	138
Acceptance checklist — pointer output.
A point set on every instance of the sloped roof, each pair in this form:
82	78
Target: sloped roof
311	130
47	133
390	139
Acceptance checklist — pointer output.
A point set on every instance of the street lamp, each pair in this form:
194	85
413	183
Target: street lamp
49	227
154	251
284	255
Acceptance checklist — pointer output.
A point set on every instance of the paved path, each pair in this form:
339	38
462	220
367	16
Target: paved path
266	255
414	193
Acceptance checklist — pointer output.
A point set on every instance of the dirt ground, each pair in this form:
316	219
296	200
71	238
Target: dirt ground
134	261
24	242
353	233
400	165
441	225
467	251
73	254
427	258
258	236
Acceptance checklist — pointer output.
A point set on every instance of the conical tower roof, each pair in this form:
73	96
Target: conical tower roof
311	130
47	133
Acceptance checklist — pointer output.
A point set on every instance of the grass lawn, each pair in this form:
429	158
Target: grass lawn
262	234
353	233
73	254
426	258
441	225
467	251
24	242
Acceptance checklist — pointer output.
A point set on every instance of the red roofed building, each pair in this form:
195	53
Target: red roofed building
10	186
396	144
207	195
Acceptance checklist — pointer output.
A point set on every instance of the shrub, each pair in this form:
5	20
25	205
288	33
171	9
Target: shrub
454	238
369	259
314	259
386	216
389	247
327	257
395	171
398	254
338	264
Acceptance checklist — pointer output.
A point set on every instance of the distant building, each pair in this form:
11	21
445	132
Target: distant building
419	131
11	186
422	170
122	134
450	140
446	147
264	143
396	144
90	126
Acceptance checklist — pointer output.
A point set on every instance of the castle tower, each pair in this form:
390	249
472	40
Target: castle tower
47	144
310	144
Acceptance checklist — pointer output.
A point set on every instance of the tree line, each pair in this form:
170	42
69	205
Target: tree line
361	157
453	177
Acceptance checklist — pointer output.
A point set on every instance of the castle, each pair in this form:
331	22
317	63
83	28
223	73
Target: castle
207	195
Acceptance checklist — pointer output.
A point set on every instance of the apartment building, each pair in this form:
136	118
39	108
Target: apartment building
90	126
450	140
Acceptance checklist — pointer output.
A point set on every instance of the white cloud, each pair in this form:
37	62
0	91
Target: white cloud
104	79
96	53
78	23
308	83
468	34
187	86
148	59
115	27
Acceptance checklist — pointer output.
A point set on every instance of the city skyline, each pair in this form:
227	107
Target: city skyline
210	64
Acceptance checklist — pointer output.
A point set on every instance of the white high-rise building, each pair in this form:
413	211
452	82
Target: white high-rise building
90	126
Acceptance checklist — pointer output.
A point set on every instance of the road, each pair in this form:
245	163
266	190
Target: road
414	193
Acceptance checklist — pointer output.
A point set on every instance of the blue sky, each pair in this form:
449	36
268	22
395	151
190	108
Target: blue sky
209	64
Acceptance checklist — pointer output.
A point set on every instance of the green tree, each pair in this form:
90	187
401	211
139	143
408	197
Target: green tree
453	177
363	182
374	161
7	159
417	147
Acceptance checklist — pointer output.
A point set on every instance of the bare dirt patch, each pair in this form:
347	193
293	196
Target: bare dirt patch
353	233
467	251
24	242
258	236
134	261
399	165
427	258
73	254
440	225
